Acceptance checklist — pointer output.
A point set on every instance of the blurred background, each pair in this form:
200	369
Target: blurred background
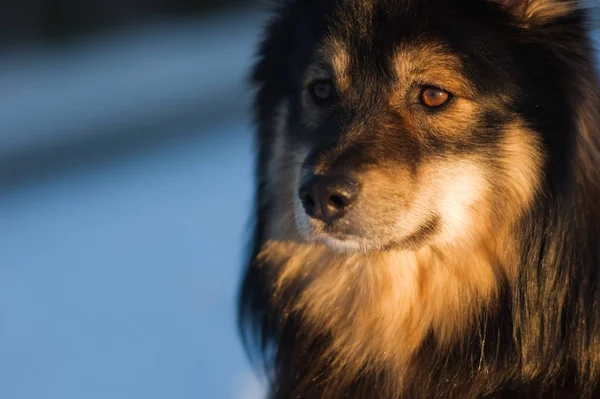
125	184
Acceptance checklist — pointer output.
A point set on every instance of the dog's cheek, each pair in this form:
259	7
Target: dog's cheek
521	163
385	213
284	166
460	192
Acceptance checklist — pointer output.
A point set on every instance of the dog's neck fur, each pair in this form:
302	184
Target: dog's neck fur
379	308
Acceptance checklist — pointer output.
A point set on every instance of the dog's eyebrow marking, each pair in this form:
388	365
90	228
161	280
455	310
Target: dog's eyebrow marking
335	54
430	63
317	72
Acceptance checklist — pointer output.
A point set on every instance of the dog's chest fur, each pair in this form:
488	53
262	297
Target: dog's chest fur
379	308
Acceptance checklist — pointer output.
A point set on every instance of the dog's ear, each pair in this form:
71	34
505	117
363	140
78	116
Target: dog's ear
539	12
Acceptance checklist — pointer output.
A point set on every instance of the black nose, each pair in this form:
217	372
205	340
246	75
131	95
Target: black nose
327	197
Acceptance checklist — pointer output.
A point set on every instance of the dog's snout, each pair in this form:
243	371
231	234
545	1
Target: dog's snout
327	198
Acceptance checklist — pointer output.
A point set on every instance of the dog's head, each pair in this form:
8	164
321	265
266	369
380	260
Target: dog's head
405	123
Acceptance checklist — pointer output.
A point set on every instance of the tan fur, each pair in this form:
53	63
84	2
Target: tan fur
536	12
521	165
380	306
429	63
335	54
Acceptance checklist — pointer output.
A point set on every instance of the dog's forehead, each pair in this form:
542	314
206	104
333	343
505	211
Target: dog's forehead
376	30
354	21
427	60
367	11
363	17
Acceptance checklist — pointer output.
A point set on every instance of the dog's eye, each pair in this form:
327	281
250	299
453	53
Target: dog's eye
322	91
433	97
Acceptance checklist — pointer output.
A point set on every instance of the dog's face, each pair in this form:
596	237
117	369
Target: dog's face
408	124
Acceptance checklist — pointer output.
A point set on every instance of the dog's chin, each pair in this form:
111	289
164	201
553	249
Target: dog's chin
339	244
346	245
316	232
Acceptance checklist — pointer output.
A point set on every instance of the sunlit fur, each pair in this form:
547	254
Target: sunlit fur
472	263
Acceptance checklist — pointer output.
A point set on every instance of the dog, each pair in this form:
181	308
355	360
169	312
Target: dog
427	218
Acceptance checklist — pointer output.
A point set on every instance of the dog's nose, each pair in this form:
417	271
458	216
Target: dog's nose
328	197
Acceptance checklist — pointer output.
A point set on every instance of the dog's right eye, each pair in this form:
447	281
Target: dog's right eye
432	97
322	91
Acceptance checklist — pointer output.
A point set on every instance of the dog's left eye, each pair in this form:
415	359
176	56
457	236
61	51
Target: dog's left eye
322	91
433	97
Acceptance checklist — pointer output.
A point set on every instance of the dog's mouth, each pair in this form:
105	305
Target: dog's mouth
349	235
336	240
348	212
